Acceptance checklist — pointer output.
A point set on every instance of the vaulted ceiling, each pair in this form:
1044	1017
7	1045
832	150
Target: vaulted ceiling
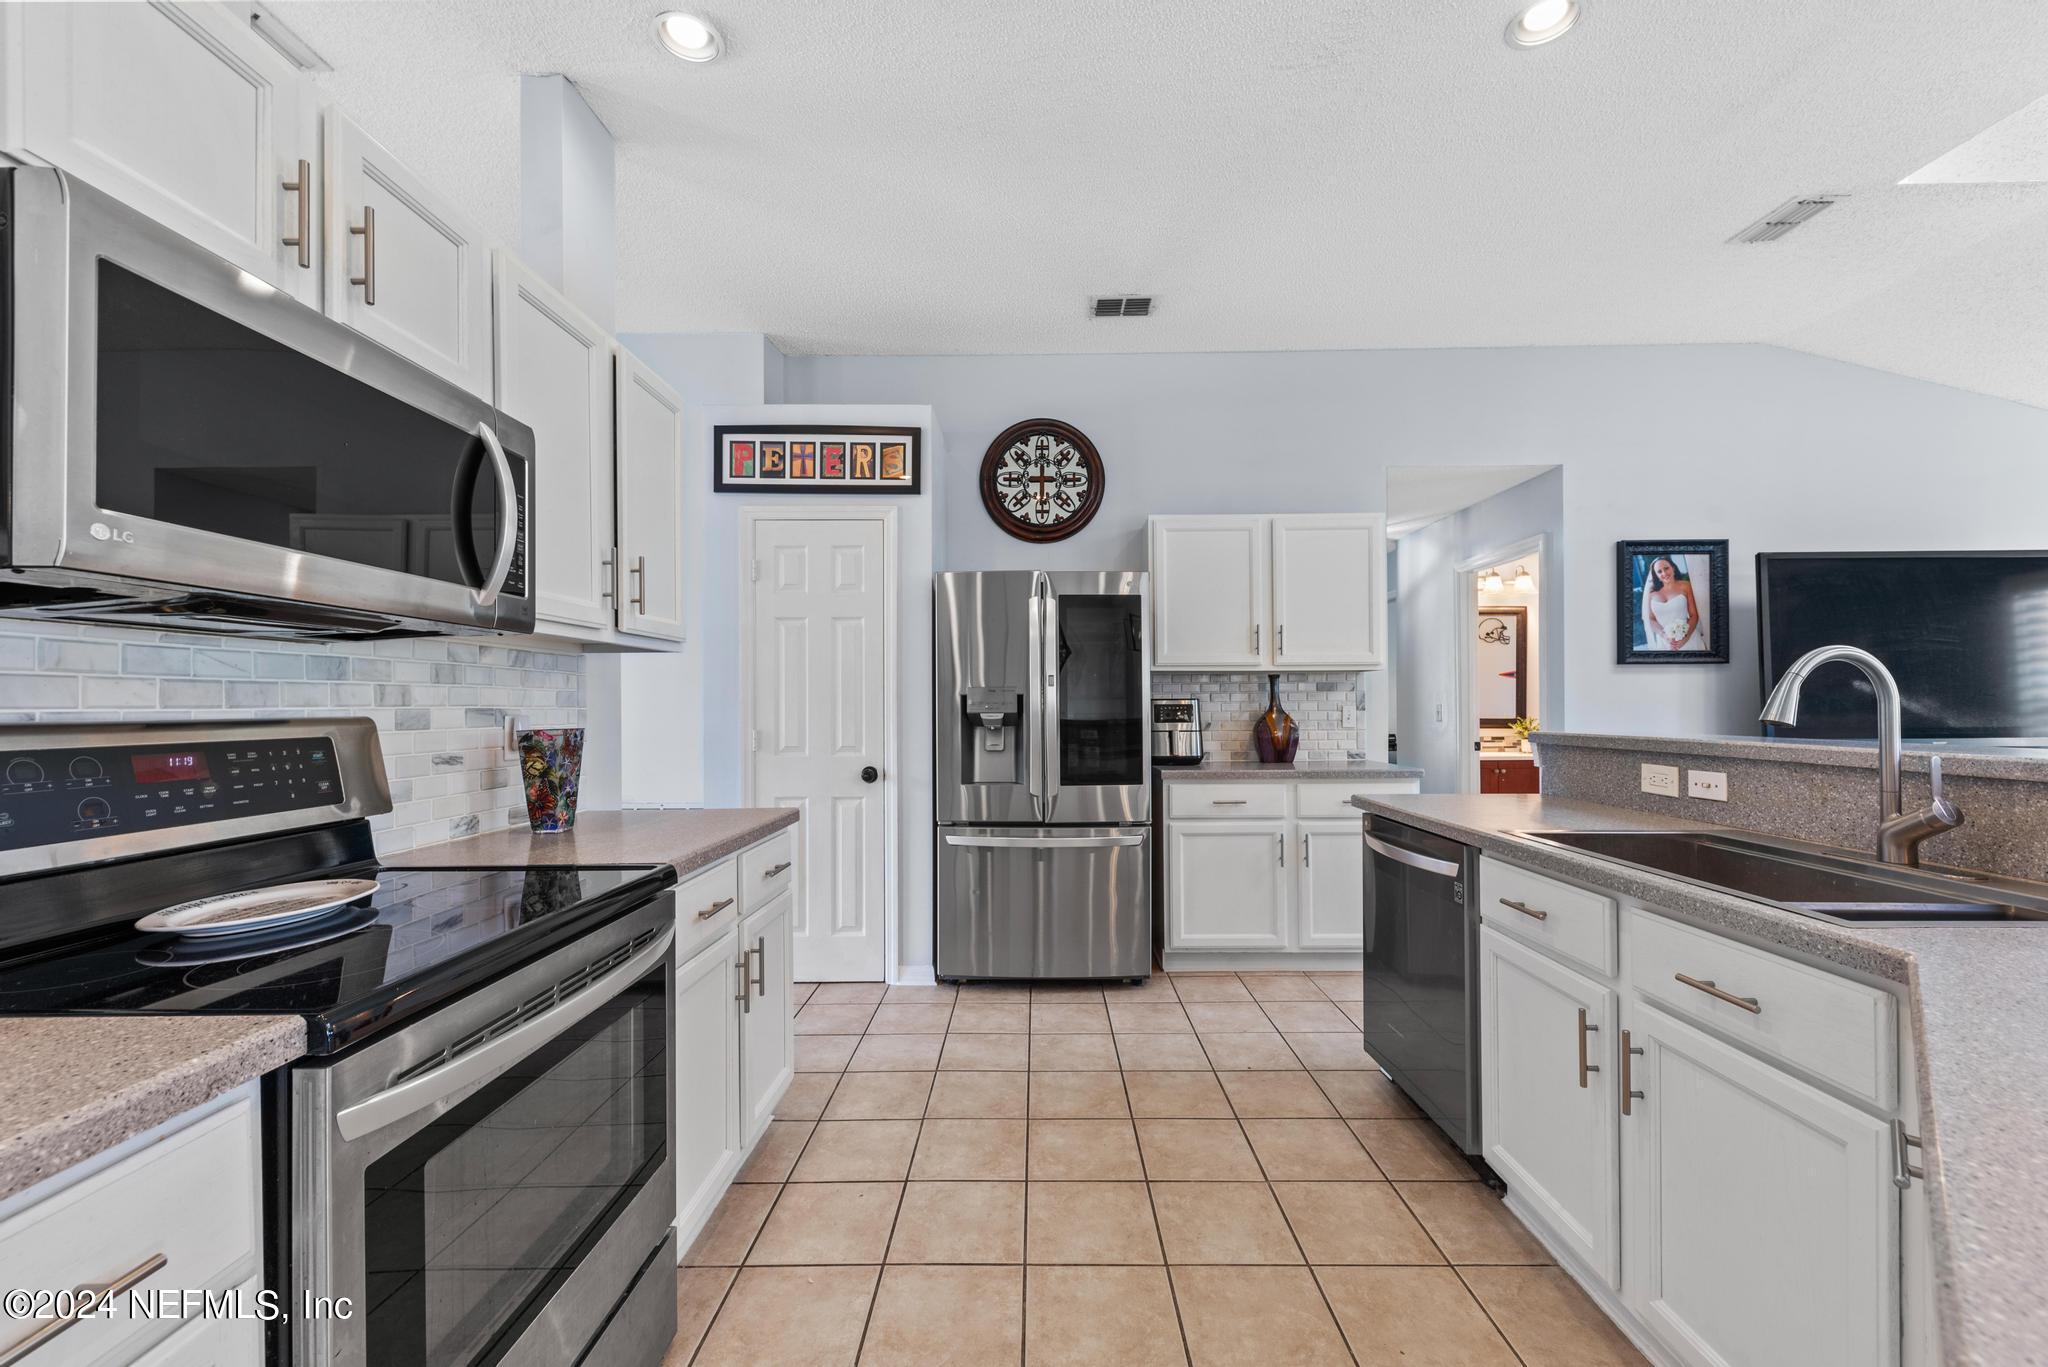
928	176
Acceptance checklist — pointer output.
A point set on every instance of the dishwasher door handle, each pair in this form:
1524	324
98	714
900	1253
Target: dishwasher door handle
1442	867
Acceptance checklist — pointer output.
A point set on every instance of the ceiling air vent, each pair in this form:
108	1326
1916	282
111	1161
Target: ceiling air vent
1122	306
1785	218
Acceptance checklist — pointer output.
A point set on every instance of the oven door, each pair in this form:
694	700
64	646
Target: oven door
489	1185
184	425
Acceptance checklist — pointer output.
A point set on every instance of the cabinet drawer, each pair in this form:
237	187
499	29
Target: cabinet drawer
120	1219
1840	1031
1232	801
1315	801
707	905
767	869
1570	922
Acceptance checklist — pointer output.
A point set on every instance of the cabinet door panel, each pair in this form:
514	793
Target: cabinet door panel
650	514
1762	1224
768	1027
707	1078
1329	592
1550	1133
1332	883
1229	885
554	373
1209	592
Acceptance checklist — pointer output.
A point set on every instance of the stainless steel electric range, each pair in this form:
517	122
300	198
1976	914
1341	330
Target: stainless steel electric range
476	1150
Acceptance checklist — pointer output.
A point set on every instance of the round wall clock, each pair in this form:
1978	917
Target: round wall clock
1041	480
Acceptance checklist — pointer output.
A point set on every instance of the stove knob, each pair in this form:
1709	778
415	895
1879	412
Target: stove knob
94	809
24	771
86	768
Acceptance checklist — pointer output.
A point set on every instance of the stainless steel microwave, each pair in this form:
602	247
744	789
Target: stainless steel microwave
192	450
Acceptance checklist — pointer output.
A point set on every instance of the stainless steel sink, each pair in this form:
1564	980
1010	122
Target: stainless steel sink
1832	885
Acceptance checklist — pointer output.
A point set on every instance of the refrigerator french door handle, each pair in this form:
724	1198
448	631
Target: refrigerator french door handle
1049	664
1034	697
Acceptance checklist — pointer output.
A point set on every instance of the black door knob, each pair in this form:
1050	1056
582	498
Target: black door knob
869	774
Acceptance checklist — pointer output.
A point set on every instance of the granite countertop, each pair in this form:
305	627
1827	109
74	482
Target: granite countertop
1222	771
75	1086
1980	1041
687	839
1959	759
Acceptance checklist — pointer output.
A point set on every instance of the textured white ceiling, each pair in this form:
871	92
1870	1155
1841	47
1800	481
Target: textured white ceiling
930	176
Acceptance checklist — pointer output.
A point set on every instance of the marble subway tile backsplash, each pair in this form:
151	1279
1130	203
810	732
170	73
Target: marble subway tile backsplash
440	705
1231	703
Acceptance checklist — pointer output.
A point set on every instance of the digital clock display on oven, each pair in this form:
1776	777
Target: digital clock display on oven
169	767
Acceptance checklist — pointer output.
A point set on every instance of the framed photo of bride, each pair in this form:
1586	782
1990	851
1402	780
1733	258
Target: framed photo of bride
1672	607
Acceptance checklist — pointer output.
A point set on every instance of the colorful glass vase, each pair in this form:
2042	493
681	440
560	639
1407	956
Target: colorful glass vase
1275	736
550	763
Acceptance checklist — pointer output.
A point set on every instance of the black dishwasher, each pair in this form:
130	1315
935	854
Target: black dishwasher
1422	971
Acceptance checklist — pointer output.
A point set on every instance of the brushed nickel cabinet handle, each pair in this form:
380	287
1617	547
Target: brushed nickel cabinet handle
1228	801
303	238
758	957
1706	985
1280	639
1628	1075
639	598
88	1301
1904	1169
368	279
1255	638
1585	1067
1282	838
1512	905
720	905
743	996
779	868
610	591
1304	849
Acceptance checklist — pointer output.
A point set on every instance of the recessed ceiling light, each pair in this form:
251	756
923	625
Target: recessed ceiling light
687	36
1543	21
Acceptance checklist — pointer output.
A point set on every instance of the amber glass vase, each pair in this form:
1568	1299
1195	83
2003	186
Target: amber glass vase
1275	736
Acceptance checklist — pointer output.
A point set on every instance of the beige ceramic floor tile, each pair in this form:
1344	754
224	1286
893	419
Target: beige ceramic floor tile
1157	988
824	1053
1228	1018
975	1017
1067	992
1470	1224
726	1236
806	1096
1303	1018
921	996
849	994
1276	1094
1078	1096
960	1222
815	1019
799	993
699	1291
1340	987
934	1316
1161	1053
1256	1317
978	1096
858	1151
1548	1320
777	1151
1072	1053
994	992
828	1222
1083	1151
1337	1051
880	1096
897	1054
970	1150
1181	1096
1365	1095
1412	1317
1090	1222
1196	1151
1353	1012
1149	1018
1354	1222
791	1316
986	1054
1282	987
1309	1151
1100	1317
906	1019
1222	1222
1069	1018
1413	1151
1210	987
1258	1051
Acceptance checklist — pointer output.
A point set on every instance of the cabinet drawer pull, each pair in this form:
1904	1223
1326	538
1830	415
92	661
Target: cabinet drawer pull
88	1301
1706	985
1512	905
720	905
783	867
303	237
1228	801
1585	1029
1628	1075
368	279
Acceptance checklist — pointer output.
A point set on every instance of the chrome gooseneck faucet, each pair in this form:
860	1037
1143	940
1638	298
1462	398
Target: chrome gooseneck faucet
1899	832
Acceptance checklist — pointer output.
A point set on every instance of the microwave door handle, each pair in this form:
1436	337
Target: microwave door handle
508	515
394	1104
1049	663
1413	860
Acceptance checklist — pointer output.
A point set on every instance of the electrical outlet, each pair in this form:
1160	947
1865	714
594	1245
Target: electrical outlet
1707	784
1661	779
1351	716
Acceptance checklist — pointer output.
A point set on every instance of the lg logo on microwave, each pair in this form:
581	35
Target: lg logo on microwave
102	532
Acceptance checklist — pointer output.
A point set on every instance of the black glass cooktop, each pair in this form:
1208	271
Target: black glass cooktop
425	936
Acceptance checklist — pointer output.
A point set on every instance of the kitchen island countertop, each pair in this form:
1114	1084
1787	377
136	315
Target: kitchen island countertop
688	839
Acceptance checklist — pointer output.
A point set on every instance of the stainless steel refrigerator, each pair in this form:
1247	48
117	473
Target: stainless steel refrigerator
1042	775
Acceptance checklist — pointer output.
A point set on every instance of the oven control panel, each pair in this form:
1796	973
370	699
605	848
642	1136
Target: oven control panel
48	797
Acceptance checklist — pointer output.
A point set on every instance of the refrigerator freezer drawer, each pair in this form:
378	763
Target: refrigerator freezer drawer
1045	902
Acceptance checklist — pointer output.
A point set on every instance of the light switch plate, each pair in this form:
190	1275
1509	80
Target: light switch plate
1706	783
1661	779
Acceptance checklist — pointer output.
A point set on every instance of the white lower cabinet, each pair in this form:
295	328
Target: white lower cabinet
1229	885
707	1084
767	1025
1329	885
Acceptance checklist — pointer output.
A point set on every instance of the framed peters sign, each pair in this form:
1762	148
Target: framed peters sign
789	458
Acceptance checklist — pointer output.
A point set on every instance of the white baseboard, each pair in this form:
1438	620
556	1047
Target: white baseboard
914	975
1252	961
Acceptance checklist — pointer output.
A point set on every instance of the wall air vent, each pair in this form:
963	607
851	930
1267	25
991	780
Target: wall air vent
1785	218
1122	306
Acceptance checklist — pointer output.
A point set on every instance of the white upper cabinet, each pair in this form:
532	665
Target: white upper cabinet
554	369
650	515
181	112
403	267
1329	591
1253	592
1209	595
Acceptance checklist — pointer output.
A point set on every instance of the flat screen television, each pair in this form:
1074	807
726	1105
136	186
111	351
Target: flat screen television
1964	632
